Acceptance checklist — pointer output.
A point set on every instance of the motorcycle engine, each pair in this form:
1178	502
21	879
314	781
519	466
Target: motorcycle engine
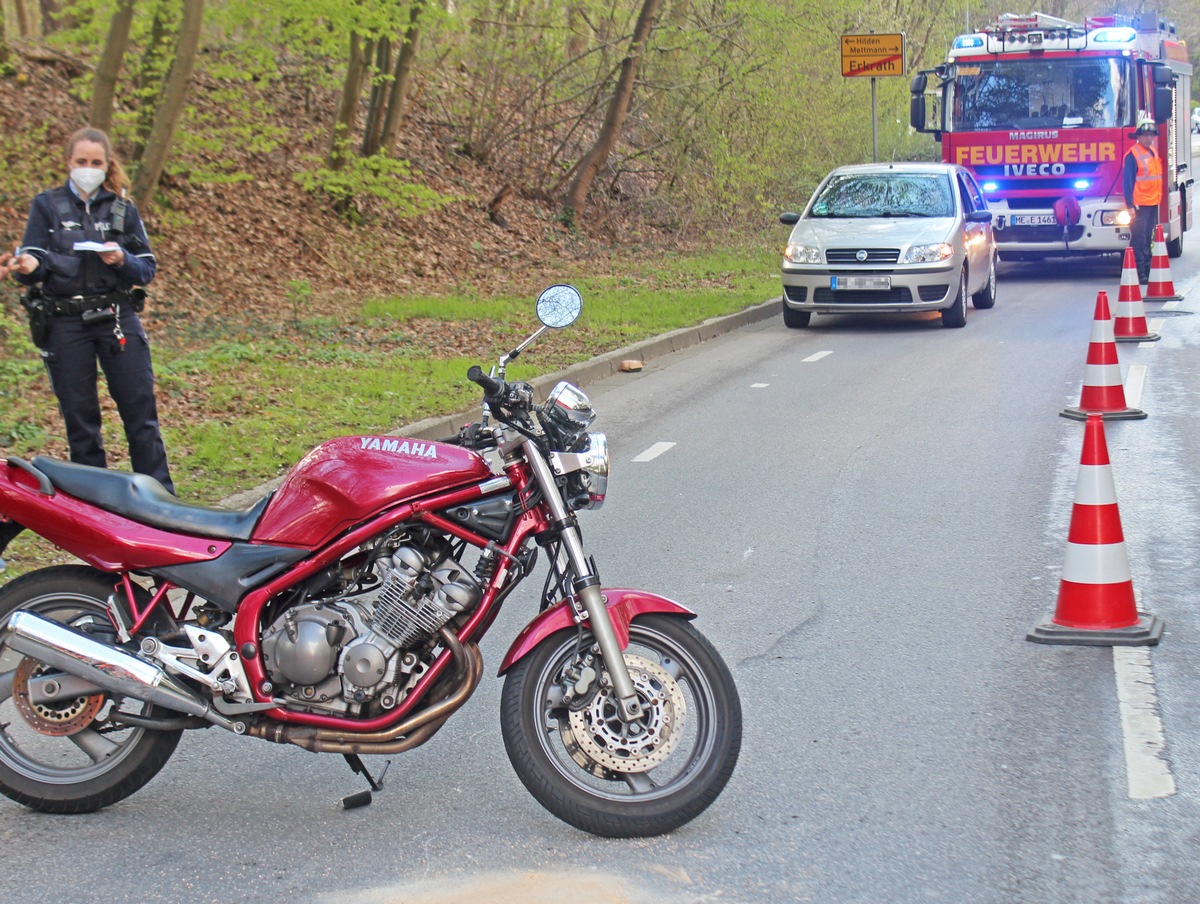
341	653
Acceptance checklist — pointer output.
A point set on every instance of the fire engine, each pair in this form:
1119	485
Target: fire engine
1041	110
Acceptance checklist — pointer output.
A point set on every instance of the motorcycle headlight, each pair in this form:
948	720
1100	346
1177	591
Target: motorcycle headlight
568	403
589	485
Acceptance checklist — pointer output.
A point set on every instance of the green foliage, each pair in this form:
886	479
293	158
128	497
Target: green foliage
26	165
298	293
20	368
379	178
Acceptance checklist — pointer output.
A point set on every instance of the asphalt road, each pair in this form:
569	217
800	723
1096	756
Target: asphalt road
868	516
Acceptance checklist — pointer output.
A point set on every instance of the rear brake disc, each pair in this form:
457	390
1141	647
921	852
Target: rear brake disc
58	718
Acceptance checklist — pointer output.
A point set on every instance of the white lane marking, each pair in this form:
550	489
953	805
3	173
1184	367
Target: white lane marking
1152	326
759	385
1171	306
817	357
654	451
1147	772
1135	381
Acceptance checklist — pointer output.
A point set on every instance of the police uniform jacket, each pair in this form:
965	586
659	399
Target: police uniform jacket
58	219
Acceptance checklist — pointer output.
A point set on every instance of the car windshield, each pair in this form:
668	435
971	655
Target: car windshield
884	195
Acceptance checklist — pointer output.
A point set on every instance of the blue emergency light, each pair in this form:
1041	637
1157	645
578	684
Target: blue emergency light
1114	36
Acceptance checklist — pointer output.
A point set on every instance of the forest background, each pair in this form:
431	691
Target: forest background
353	200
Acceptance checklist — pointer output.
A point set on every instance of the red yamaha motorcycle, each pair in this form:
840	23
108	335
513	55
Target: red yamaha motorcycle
343	614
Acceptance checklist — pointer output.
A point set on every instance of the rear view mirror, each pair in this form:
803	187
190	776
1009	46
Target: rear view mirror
559	306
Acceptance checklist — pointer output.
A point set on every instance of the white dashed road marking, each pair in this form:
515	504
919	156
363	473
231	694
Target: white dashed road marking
817	357
654	451
1135	381
1147	772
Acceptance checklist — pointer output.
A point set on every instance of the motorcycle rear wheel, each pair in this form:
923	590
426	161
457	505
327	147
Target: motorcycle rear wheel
626	781
56	766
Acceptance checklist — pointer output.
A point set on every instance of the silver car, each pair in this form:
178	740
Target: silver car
890	237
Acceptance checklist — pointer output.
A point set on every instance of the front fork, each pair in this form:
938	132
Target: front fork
587	586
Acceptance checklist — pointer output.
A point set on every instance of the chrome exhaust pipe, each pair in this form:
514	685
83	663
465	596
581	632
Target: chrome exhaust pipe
107	667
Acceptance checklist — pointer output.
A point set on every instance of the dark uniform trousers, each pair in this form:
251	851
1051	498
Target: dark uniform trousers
71	355
1141	233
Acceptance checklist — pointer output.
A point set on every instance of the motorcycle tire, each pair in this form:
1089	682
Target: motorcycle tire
588	768
67	756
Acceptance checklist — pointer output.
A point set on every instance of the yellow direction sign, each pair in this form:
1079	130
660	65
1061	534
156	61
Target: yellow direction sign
872	55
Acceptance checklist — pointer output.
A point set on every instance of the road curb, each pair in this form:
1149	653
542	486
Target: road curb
581	374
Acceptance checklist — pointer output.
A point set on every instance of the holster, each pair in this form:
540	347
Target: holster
41	315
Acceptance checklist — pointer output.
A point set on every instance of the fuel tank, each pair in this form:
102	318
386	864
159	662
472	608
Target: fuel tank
345	481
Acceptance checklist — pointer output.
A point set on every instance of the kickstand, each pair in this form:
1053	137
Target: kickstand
362	798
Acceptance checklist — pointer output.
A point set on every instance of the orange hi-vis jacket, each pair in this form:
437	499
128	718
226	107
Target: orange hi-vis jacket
1147	186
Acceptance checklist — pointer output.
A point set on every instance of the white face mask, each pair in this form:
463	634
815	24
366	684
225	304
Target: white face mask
87	179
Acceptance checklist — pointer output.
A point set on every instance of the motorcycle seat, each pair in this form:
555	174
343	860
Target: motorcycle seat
143	499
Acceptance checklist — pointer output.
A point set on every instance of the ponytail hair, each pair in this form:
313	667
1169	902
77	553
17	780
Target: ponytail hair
116	179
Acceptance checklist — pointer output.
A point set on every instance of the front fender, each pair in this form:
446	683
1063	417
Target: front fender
623	607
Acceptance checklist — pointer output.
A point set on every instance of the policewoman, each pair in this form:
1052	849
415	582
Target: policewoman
86	249
1142	182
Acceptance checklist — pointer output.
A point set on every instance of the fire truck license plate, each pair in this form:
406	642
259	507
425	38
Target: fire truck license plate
838	283
1033	219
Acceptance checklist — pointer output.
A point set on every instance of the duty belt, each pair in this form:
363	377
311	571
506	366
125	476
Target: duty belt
78	304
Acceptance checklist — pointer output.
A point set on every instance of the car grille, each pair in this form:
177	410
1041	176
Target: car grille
850	255
933	293
899	295
796	293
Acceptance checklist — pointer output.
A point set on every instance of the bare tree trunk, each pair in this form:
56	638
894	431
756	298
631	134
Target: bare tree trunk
28	18
104	88
618	109
170	106
152	75
375	104
343	124
402	78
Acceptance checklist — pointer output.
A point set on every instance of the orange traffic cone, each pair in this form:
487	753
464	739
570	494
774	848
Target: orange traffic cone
1160	287
1130	325
1103	392
1096	605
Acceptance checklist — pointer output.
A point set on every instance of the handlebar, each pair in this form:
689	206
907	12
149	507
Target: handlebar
493	389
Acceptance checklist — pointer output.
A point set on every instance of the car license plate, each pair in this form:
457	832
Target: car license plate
838	283
1033	219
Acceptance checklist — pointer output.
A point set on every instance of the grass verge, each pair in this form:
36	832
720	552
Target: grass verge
241	407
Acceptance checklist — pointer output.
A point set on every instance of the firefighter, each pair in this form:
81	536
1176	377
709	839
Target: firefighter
1142	182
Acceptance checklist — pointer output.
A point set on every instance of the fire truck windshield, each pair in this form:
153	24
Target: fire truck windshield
1077	92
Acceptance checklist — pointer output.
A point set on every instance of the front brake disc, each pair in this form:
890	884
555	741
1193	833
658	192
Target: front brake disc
602	743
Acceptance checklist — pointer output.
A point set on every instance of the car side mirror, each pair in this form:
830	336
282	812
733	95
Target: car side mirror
789	218
979	216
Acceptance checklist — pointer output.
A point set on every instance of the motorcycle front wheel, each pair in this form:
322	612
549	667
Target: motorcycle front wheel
592	770
71	754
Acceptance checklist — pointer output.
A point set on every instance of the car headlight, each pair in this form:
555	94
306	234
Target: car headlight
795	253
927	254
1115	218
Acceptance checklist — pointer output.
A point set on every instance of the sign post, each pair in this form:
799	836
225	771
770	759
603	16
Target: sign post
873	55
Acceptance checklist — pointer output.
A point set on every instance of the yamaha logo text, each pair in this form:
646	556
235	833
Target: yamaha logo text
400	447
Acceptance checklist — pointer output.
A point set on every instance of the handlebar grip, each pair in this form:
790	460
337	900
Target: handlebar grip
492	388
